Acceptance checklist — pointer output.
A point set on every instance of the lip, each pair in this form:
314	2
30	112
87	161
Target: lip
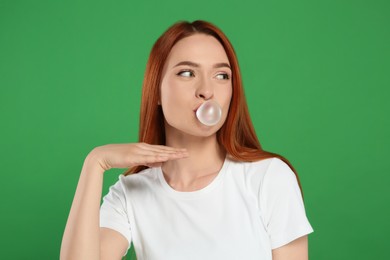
197	106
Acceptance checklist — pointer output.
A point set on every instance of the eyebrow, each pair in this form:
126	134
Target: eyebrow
196	65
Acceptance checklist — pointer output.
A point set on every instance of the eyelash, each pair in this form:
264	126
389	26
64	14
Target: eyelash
224	74
180	72
192	73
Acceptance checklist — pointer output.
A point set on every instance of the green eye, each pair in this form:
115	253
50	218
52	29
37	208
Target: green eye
222	76
186	73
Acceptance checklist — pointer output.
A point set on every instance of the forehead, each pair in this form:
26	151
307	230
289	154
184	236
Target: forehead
199	48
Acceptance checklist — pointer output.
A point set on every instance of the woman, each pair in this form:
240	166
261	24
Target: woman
192	191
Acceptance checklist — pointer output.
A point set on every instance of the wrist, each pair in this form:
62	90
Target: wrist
94	160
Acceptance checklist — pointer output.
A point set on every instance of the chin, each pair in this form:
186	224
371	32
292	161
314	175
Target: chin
193	129
202	130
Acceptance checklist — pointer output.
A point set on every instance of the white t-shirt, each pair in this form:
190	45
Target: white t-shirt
249	209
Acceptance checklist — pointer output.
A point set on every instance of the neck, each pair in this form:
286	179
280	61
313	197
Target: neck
206	157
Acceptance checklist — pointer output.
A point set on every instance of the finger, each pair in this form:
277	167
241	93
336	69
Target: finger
165	153
158	160
158	164
162	153
163	157
157	148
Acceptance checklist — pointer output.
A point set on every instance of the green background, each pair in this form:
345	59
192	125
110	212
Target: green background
316	78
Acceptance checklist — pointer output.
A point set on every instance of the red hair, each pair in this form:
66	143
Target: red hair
237	135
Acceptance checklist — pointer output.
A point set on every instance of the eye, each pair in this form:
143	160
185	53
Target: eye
186	73
224	76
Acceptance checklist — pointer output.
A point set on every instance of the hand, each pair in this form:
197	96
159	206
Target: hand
134	154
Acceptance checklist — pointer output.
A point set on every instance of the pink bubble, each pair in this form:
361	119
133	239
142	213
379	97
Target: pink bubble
209	113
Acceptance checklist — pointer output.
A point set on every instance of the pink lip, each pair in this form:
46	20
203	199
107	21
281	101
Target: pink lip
197	107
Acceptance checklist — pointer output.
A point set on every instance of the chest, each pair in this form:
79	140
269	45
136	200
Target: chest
196	185
223	224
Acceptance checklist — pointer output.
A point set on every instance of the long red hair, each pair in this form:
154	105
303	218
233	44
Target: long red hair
237	135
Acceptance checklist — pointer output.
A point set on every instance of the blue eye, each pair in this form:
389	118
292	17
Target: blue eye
222	76
186	73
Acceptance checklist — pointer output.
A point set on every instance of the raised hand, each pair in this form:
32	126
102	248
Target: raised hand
133	154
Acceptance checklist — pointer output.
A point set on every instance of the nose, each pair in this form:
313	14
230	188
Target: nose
204	89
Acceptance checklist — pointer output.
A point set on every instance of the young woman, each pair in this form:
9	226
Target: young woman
192	191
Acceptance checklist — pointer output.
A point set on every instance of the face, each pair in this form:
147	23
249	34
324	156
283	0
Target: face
197	69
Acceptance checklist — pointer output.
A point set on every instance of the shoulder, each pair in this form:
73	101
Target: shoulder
280	172
280	183
265	172
251	174
255	169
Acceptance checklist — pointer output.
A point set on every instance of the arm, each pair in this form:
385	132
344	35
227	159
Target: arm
83	238
113	245
284	213
295	250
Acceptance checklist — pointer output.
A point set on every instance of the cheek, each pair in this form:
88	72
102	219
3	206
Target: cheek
166	90
175	90
173	94
226	97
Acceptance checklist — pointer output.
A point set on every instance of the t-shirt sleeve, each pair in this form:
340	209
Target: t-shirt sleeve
113	211
282	205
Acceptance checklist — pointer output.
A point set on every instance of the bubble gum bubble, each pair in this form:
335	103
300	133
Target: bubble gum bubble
209	113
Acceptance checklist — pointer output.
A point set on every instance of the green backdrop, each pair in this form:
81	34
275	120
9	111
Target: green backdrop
316	78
